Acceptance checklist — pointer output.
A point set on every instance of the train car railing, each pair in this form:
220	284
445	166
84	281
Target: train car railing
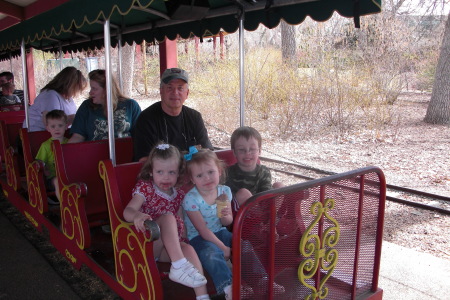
82	196
319	239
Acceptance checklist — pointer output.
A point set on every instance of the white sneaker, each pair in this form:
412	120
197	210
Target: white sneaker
187	275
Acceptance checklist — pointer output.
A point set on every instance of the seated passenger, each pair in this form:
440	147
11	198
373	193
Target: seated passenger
206	219
9	77
57	94
91	124
155	197
8	97
56	124
169	120
247	177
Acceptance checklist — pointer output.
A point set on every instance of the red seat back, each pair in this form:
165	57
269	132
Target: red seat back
13	116
9	133
126	175
80	163
227	156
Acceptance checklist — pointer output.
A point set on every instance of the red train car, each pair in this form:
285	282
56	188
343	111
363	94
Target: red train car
320	239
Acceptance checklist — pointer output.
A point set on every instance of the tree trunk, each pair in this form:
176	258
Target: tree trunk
288	45
438	111
128	69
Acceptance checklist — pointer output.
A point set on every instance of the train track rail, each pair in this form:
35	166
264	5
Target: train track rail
419	199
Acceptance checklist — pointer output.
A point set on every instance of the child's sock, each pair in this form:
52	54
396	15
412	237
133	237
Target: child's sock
228	291
203	297
178	263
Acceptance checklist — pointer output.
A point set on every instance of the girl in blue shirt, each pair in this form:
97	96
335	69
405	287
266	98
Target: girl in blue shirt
206	231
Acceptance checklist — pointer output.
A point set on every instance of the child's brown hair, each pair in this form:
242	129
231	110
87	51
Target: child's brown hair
162	151
56	114
247	132
202	156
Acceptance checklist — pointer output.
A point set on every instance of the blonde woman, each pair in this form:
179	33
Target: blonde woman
57	94
91	124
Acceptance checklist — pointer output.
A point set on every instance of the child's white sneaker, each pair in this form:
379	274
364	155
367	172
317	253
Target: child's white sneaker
187	275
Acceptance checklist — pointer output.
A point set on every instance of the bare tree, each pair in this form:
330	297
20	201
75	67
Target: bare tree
128	68
438	111
288	45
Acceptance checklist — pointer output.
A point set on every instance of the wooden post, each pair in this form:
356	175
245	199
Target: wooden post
221	41
168	57
30	76
214	47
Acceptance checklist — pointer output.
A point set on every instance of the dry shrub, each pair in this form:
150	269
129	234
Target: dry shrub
289	101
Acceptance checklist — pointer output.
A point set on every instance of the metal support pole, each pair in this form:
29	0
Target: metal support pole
10	63
25	83
110	117
119	47
60	57
241	68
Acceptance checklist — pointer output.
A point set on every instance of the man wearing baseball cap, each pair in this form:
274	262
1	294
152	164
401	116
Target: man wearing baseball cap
169	120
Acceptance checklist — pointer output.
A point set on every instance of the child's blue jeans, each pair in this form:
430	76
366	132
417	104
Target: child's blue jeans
213	260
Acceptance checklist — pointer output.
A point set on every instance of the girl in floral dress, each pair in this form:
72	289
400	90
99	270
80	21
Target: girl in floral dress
155	197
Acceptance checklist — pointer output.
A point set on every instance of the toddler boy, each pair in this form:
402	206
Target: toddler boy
56	124
247	177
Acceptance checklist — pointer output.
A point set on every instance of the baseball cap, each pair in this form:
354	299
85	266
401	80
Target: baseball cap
174	73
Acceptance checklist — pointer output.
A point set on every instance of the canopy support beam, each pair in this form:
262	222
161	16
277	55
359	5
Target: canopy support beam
119	50
25	82
241	67
110	117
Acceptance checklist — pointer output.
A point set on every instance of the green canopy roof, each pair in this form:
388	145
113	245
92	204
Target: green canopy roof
78	24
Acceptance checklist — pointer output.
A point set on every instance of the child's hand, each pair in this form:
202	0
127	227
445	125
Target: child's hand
139	220
227	253
226	211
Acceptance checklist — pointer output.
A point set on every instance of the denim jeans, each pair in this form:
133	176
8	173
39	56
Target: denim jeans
213	260
214	263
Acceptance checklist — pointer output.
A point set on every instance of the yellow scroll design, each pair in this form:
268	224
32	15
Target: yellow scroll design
318	251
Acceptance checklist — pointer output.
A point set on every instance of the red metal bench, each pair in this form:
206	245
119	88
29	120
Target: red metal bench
82	196
334	246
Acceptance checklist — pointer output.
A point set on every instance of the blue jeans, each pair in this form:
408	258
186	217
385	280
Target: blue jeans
213	260
214	263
